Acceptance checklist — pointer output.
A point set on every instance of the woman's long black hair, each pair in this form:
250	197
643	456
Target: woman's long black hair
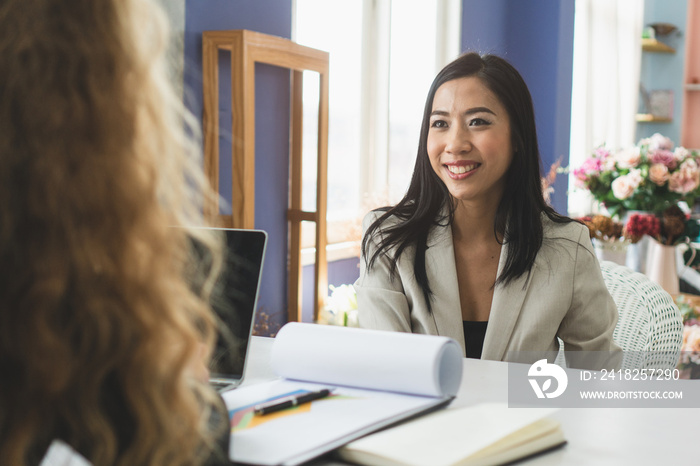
428	202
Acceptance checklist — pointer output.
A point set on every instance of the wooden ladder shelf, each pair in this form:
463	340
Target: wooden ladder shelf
248	48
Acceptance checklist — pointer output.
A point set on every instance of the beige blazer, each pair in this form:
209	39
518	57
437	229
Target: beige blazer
564	296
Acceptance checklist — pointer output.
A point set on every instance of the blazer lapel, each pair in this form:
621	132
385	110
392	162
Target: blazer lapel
505	308
442	276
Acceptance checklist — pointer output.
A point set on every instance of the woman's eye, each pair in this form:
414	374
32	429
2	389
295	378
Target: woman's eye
438	124
478	122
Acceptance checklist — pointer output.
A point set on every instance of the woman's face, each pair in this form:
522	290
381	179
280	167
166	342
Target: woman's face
469	143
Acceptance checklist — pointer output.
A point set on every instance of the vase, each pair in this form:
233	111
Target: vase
637	252
661	266
613	251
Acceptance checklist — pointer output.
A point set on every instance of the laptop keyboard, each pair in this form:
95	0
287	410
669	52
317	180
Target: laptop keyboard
219	385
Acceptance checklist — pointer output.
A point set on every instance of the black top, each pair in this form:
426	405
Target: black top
474	333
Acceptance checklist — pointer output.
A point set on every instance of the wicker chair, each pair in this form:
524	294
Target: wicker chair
649	328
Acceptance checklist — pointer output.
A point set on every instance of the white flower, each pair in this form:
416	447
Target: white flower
342	298
353	320
341	307
624	186
628	158
658	173
681	153
657	141
635	176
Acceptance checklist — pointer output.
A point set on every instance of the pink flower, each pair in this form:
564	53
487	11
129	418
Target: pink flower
608	164
686	179
602	152
628	158
663	156
658	174
590	167
657	141
624	186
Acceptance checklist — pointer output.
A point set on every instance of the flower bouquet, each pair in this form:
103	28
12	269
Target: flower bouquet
341	307
608	237
603	228
670	228
690	352
650	176
690	313
666	230
689	363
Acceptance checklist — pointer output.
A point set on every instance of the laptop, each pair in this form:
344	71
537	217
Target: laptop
234	300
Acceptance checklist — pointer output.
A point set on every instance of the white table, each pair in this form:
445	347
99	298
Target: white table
603	436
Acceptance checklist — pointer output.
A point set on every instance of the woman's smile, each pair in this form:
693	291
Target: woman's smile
461	170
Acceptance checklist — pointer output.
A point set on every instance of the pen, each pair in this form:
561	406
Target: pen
289	401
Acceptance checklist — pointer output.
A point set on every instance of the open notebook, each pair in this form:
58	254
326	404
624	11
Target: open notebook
376	378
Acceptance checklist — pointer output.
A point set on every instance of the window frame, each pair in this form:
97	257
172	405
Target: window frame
344	236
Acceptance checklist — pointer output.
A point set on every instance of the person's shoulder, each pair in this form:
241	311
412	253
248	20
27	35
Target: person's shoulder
570	230
566	240
374	215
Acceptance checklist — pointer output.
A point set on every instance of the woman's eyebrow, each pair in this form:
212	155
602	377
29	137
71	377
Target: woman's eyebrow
470	111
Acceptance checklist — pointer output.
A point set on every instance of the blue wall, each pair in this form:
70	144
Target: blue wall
271	121
535	36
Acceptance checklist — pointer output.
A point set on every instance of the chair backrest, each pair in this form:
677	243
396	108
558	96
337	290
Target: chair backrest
650	326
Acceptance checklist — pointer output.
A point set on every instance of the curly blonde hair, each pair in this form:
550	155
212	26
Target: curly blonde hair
98	325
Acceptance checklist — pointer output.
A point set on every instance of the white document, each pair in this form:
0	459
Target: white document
371	359
62	454
378	378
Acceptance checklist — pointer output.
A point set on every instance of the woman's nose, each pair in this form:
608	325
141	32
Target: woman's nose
458	140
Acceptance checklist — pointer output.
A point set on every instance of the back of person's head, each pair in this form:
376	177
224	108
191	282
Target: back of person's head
501	78
98	326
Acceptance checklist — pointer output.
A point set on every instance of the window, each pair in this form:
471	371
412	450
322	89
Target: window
383	57
607	36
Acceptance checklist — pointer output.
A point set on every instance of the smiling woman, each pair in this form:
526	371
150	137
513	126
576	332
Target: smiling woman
466	114
472	251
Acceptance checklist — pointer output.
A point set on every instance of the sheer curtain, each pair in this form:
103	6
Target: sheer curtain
607	65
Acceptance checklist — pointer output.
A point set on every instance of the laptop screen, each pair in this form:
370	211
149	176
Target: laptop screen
234	298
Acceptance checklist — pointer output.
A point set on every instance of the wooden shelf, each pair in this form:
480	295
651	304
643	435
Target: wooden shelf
649	118
692	87
246	49
653	45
